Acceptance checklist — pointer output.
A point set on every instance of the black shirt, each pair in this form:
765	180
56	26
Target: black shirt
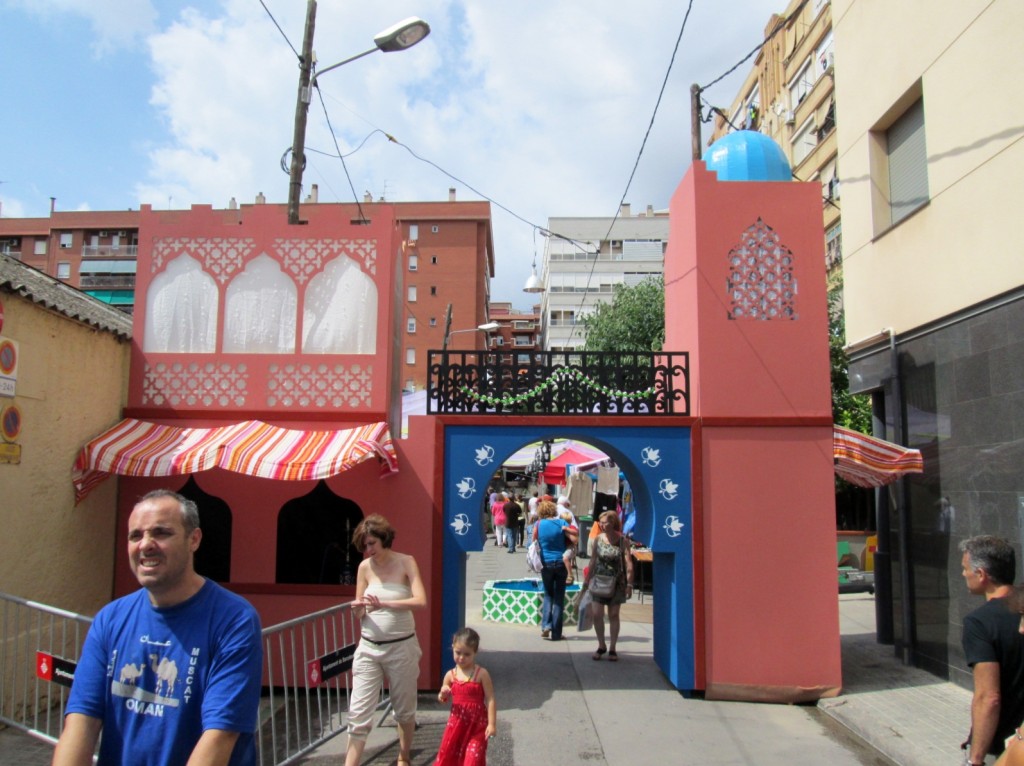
991	634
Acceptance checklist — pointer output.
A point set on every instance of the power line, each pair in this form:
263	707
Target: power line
299	57
636	164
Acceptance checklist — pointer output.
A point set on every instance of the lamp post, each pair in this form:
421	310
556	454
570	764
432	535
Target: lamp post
484	328
402	35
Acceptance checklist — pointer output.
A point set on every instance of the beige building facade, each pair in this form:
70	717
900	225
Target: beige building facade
71	372
789	95
930	147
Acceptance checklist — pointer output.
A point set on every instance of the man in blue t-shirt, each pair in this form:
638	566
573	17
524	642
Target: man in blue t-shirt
171	673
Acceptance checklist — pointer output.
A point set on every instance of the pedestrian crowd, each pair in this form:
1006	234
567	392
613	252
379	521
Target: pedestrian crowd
171	673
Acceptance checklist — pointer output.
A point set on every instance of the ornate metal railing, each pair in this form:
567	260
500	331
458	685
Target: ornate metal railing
558	382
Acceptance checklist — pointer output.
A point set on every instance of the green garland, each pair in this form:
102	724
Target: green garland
561	372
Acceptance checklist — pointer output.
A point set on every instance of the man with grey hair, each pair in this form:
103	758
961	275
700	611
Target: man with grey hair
993	647
171	673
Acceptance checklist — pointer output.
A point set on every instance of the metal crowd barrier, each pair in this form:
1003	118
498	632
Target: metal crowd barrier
305	679
39	646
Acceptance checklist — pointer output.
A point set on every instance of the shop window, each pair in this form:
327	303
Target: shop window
213	557
314	539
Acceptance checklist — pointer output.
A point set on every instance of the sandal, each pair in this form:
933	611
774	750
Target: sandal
599	654
612	656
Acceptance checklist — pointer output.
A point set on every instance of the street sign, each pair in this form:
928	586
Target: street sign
8	366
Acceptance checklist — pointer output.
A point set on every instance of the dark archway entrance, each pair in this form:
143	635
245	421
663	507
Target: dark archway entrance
657	461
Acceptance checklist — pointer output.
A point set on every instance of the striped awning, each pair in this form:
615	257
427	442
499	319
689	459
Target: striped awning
140	448
870	462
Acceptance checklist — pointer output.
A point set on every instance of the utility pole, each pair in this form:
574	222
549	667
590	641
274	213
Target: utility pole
301	112
695	120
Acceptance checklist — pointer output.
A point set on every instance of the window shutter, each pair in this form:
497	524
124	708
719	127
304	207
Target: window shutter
908	163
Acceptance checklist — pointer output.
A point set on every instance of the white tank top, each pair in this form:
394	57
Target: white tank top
386	624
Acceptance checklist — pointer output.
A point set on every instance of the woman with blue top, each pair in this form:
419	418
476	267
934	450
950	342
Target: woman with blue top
554	535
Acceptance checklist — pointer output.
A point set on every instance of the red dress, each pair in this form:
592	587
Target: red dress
465	737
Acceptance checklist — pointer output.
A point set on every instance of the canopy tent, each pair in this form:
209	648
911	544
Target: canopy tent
139	448
577	456
870	462
522	458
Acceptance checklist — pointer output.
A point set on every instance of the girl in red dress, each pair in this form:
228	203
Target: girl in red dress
474	716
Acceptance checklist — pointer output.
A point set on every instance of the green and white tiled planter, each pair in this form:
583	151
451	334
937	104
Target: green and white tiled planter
519	602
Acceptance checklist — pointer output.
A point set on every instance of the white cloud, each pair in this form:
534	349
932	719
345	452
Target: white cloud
540	105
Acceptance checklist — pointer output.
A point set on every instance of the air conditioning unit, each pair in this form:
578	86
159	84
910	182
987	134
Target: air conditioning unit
104	233
122	233
828	61
790	117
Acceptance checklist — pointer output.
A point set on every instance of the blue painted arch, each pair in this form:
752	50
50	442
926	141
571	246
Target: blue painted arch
657	462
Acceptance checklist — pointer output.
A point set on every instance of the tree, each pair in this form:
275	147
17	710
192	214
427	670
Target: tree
849	410
633	321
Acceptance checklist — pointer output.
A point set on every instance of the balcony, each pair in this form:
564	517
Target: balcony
109	251
106	280
557	382
15	254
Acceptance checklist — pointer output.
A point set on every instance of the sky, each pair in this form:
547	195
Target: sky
541	106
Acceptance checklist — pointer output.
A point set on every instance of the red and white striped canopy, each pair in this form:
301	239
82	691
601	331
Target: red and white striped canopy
870	462
139	448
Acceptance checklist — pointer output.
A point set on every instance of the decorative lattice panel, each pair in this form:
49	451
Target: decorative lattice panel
319	386
761	283
305	257
221	257
509	601
195	384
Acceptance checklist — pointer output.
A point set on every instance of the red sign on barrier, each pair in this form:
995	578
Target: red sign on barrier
56	670
330	665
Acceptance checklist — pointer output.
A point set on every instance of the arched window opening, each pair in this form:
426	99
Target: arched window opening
314	539
213	558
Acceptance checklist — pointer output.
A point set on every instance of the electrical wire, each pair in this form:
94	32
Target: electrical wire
297	55
359	205
636	164
778	28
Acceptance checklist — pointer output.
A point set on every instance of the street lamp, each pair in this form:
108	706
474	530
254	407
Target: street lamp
484	328
402	35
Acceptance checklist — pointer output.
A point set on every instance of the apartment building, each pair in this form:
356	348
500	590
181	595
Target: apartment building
934	285
585	259
447	260
789	95
93	251
518	331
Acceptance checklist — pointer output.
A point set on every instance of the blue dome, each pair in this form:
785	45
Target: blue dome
746	155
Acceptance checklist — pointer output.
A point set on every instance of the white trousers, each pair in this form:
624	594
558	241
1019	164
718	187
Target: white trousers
400	664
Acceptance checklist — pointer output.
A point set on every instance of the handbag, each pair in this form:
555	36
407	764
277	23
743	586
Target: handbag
602	585
533	557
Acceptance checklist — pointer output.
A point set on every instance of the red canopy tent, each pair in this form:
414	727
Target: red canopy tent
574	456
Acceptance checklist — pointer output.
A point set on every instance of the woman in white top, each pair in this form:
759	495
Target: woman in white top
388	588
